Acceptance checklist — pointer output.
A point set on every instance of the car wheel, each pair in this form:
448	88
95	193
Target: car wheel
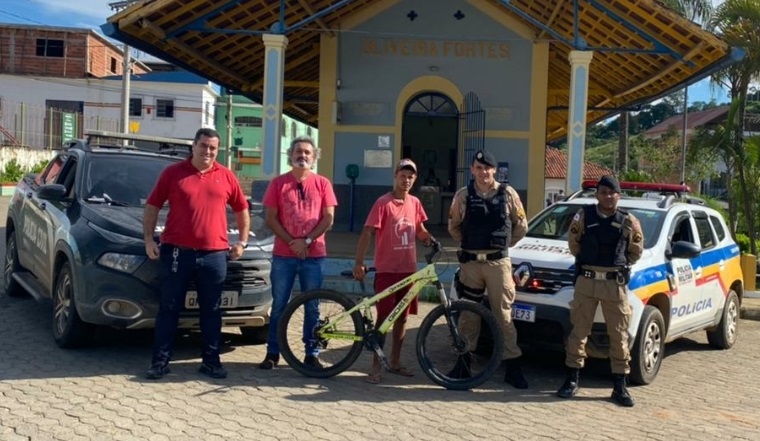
69	330
255	334
724	336
649	348
12	287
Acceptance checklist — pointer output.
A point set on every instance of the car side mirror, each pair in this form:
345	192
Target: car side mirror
52	192
683	250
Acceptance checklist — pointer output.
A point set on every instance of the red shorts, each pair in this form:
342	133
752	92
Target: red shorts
386	305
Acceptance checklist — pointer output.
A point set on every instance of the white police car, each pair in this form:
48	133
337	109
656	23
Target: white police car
688	279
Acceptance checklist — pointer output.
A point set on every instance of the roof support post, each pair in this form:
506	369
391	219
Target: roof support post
576	121
274	81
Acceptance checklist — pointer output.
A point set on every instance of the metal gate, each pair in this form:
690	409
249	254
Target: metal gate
472	126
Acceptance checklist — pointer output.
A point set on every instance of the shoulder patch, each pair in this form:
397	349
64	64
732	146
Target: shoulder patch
574	229
520	213
637	237
577	216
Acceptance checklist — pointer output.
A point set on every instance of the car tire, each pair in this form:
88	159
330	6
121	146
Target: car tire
11	286
725	334
255	334
69	331
649	347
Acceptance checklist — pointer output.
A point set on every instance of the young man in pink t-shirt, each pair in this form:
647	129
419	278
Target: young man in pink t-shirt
397	218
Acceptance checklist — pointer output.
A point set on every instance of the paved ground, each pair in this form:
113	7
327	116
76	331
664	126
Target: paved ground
98	393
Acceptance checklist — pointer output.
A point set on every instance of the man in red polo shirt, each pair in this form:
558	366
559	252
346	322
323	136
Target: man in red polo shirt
194	247
300	206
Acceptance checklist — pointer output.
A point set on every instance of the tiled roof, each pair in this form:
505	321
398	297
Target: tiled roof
693	120
556	166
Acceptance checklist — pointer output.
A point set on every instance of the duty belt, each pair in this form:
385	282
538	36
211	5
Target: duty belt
601	275
465	256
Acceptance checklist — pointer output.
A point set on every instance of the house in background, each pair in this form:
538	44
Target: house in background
715	186
246	134
555	174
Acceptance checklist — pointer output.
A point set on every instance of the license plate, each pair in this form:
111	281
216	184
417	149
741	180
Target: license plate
229	300
524	313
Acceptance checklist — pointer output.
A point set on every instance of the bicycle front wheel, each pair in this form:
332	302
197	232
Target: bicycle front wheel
447	345
338	347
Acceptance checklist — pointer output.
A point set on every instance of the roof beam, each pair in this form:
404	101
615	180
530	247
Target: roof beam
199	23
319	21
304	84
187	50
314	52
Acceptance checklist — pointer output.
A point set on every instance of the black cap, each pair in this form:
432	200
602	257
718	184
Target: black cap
610	182
485	157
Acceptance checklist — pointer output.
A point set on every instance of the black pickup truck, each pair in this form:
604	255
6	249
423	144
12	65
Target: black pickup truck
74	235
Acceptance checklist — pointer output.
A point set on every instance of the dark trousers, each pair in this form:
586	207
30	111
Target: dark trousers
207	269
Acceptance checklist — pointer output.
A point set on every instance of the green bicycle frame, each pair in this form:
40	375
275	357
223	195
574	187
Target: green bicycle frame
418	280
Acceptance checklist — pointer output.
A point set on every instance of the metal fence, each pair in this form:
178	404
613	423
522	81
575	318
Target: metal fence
38	127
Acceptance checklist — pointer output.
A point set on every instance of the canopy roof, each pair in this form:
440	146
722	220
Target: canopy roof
641	49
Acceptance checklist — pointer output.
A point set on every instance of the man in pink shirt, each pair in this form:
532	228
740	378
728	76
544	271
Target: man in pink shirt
300	206
398	218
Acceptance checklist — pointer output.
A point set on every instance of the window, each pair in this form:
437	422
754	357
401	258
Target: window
308	131
283	128
704	231
49	48
135	107
49	175
247	121
293	130
718	225
682	231
113	64
164	108
207	112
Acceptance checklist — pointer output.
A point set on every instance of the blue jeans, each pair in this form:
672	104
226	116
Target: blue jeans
207	269
283	276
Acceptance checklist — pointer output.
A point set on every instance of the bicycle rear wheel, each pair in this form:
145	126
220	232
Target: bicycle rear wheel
446	345
296	332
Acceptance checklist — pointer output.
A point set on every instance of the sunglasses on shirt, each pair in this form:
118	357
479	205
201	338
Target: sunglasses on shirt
301	191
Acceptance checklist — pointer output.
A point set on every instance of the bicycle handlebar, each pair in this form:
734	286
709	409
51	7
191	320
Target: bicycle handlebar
435	248
350	273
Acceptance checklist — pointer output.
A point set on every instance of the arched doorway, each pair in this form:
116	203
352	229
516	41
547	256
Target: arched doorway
429	138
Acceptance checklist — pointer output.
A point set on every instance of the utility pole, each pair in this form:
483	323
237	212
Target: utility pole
229	129
126	71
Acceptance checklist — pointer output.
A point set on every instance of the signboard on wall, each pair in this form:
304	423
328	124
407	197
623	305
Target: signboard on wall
378	158
68	126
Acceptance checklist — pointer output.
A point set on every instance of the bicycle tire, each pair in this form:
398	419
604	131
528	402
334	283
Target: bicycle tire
290	334
439	347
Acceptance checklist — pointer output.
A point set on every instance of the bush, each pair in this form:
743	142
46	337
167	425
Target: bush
743	241
40	166
13	171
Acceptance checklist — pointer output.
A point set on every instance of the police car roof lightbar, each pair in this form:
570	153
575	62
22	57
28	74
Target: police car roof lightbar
644	186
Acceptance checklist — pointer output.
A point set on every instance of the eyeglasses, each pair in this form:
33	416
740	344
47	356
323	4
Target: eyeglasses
301	191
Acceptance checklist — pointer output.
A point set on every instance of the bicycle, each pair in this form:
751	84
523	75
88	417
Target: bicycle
342	329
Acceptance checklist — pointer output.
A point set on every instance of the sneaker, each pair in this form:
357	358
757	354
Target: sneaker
213	371
156	371
313	362
270	361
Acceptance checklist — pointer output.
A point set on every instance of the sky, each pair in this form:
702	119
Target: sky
92	13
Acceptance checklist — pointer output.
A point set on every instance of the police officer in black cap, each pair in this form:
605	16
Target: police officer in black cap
487	218
605	242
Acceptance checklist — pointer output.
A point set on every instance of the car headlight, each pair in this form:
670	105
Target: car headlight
126	263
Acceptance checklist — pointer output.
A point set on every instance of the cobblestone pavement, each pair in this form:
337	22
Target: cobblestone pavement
98	393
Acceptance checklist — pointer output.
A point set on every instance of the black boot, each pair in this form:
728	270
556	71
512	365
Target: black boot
514	375
570	386
462	369
620	394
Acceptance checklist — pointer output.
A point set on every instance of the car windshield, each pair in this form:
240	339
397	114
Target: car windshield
122	179
554	223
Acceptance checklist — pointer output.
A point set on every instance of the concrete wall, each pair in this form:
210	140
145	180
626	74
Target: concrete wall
26	158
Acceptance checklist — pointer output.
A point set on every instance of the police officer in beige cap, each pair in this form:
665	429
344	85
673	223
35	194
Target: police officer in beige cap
487	218
605	241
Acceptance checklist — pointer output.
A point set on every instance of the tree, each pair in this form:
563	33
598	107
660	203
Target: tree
738	22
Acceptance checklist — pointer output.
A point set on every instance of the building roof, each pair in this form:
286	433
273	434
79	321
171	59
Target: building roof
555	166
658	50
693	120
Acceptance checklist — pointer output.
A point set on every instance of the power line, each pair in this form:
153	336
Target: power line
21	17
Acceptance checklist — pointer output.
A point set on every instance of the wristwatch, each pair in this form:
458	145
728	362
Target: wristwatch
243	244
308	241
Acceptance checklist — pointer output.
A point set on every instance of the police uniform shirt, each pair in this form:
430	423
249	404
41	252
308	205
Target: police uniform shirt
631	229
514	210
